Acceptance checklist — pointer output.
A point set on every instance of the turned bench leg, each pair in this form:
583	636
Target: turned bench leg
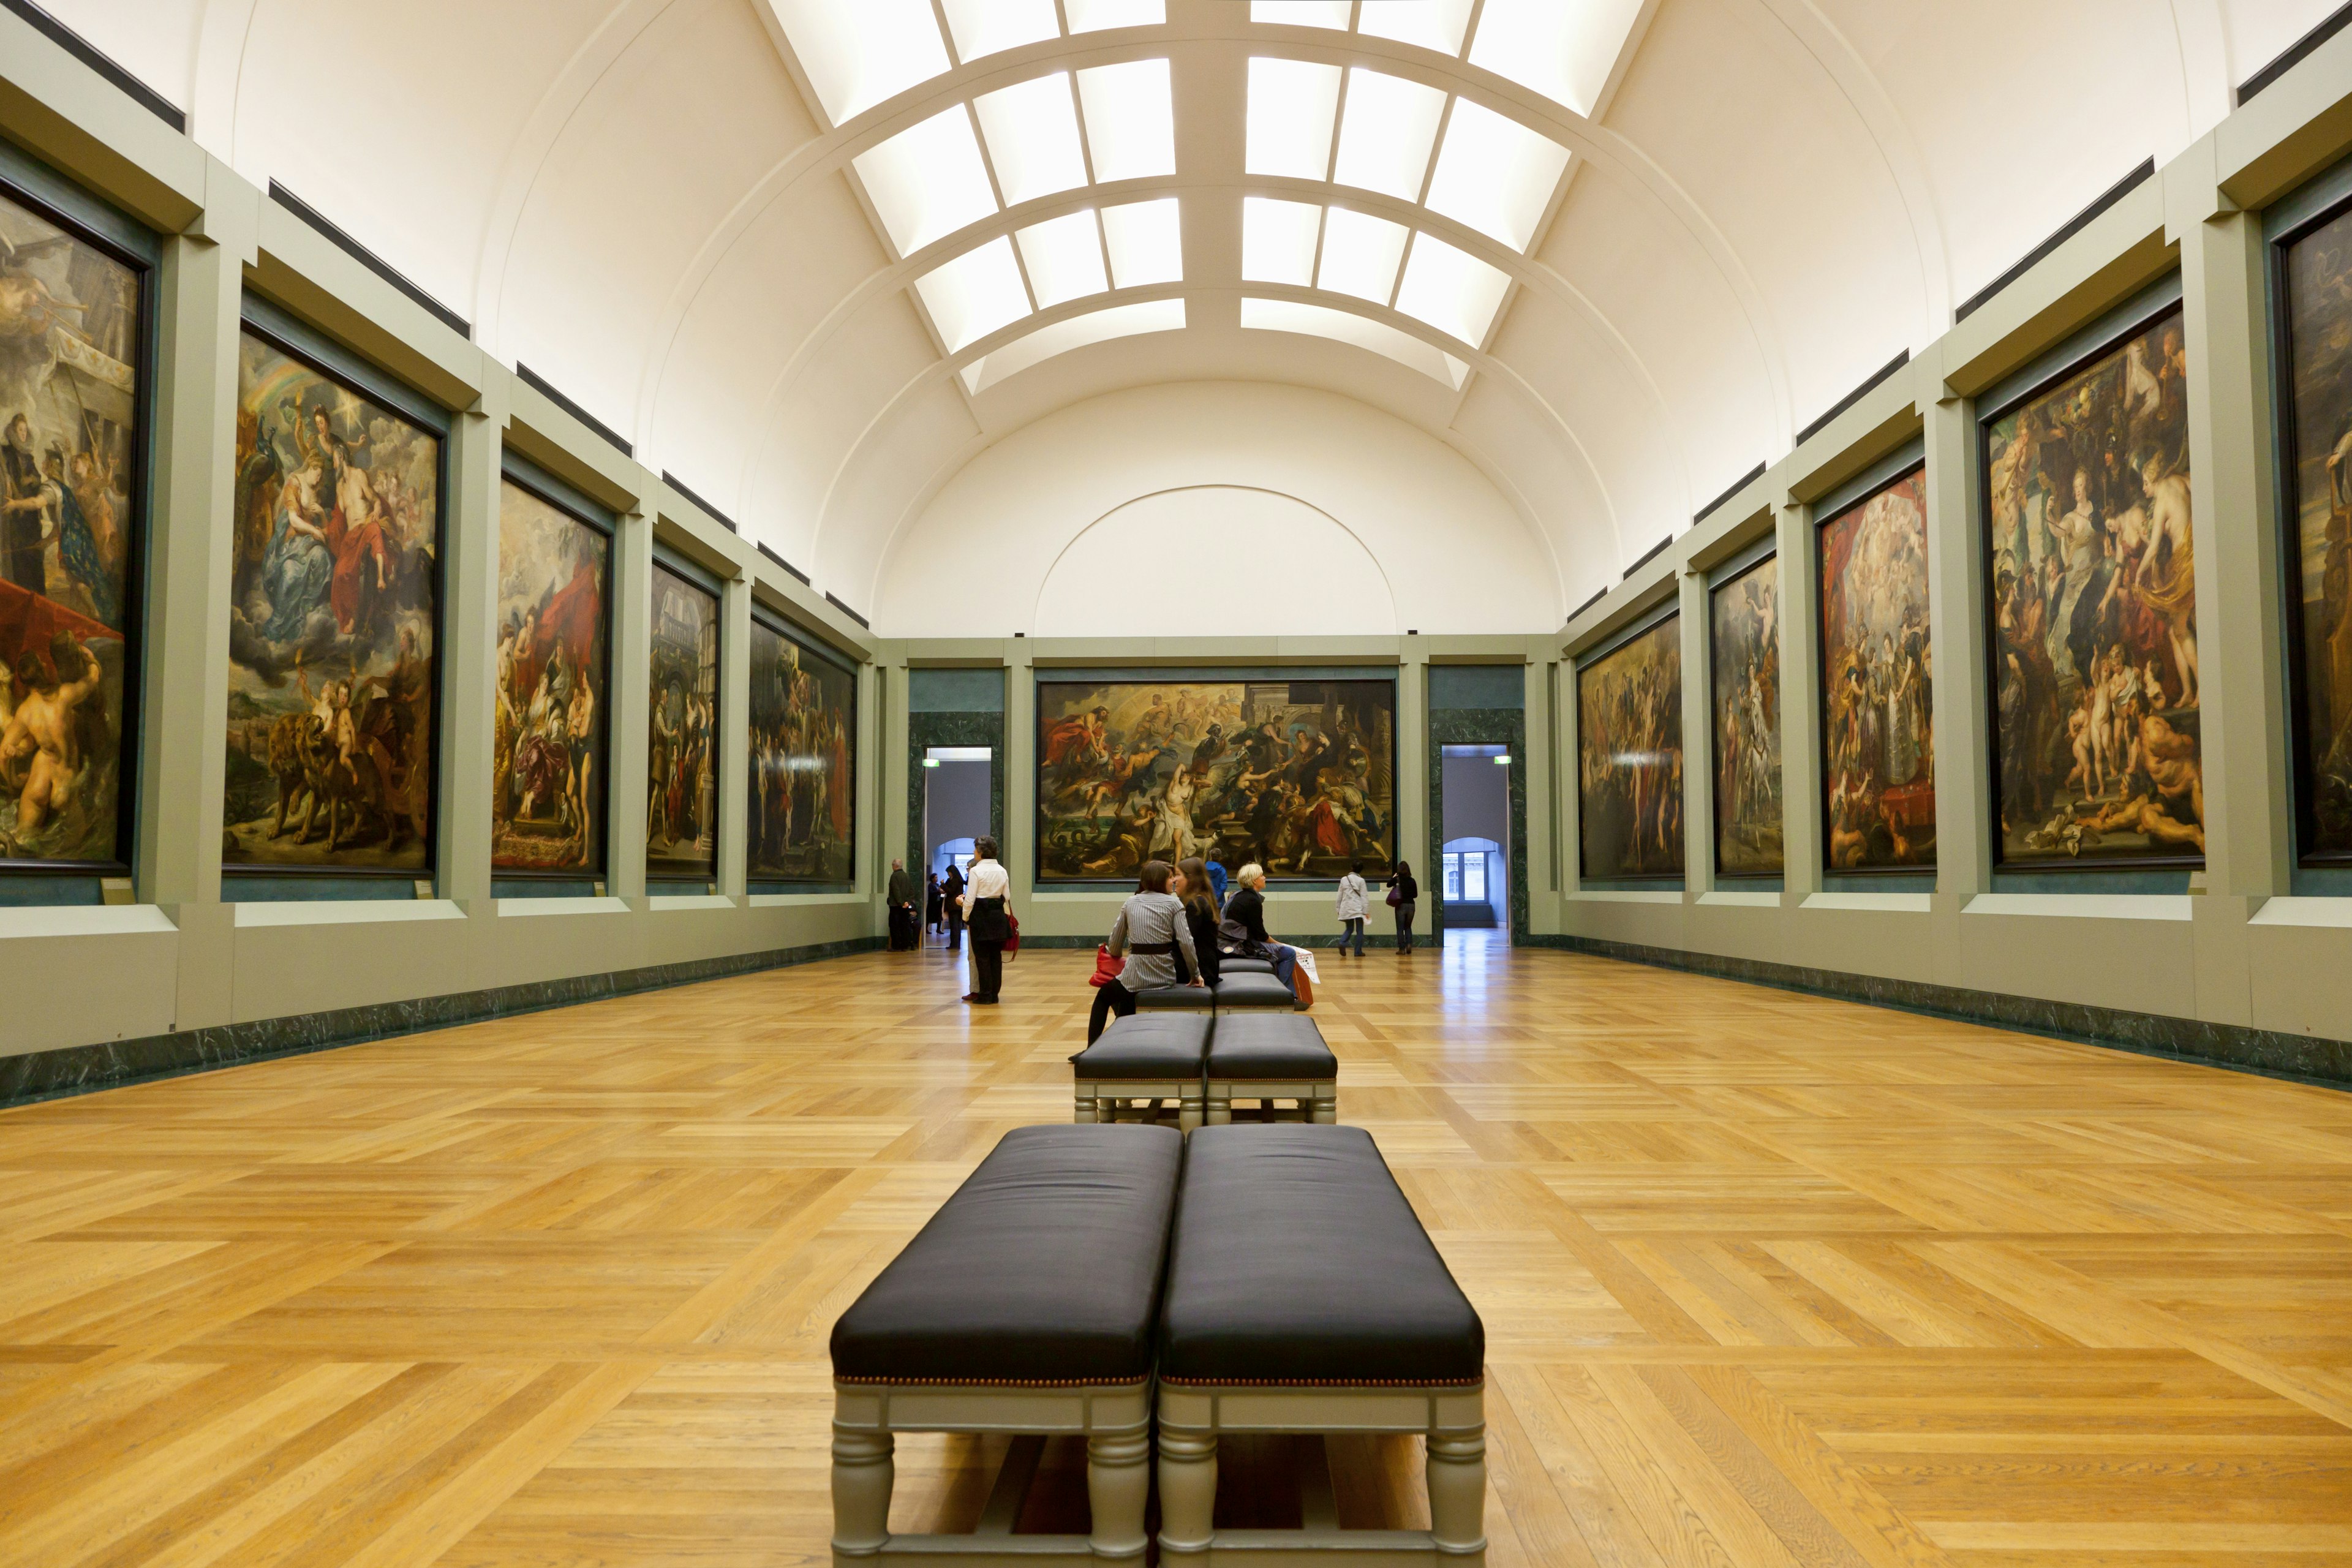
1188	1110
1085	1104
863	1474
1188	1490
1119	1479
1326	1106
1457	1493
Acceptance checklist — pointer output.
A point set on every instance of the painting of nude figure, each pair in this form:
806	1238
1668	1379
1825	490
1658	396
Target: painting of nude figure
1878	683
2315	407
72	432
804	762
2097	741
682	732
1745	614
1297	775
547	766
334	614
1629	748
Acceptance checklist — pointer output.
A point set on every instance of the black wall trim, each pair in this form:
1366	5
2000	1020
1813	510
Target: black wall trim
834	600
2072	226
1647	556
546	389
2295	56
89	54
1856	396
721	518
789	569
1742	483
81	1070
368	260
2303	1057
1598	595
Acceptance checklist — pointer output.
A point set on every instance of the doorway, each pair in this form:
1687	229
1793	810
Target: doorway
957	784
1474	870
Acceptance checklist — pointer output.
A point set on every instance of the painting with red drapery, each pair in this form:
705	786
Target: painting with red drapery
802	759
548	783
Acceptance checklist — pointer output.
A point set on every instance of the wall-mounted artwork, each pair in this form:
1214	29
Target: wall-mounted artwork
547	769
72	321
1629	744
1746	656
2094	637
334	609
804	762
1878	697
681	778
1297	775
2316	370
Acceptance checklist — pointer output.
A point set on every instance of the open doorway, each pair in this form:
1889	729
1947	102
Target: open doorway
1473	872
957	784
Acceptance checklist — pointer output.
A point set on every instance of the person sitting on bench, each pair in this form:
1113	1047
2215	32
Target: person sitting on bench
1151	930
1199	894
1242	933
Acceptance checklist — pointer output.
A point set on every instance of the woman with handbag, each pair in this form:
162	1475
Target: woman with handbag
1192	884
1241	933
988	916
1354	896
1151	930
1404	894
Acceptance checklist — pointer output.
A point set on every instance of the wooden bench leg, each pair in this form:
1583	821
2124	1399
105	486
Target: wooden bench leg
1220	1110
1188	1110
1085	1104
1188	1491
1119	1479
1457	1493
1327	1108
863	1474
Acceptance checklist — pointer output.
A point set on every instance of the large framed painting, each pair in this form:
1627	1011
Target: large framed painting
1629	747
74	314
2311	303
1297	775
804	760
2094	611
334	615
1744	614
1877	683
681	761
547	766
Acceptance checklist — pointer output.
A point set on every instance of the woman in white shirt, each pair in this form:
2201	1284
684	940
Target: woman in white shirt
988	917
1355	899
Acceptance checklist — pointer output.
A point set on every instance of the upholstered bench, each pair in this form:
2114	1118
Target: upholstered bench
1143	1064
1025	1306
1176	999
1266	1056
1304	1295
1230	964
1243	990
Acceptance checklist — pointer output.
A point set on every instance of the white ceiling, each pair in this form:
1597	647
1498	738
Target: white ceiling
816	256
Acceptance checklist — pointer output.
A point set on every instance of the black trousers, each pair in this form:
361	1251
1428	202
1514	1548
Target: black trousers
1110	998
1404	926
987	968
902	928
955	925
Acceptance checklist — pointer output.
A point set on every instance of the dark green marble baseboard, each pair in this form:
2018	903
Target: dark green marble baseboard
1315	940
2303	1058
80	1070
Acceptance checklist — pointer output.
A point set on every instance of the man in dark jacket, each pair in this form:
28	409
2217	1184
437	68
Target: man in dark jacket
900	897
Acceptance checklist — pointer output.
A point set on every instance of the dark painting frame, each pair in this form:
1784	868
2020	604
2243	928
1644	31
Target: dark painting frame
1768	562
1817	526
1667	613
775	622
698	580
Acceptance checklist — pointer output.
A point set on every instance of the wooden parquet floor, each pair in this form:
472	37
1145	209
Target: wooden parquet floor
1767	1280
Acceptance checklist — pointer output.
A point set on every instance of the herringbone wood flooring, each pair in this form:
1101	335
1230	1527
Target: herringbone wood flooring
1767	1280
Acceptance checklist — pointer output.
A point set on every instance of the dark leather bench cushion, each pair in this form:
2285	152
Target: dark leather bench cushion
1176	999
1268	1045
1297	1260
1251	991
1162	1044
1244	966
1044	1268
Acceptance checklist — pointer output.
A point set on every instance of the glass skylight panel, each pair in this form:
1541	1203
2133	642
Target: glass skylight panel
1451	289
1094	15
1302	13
1343	326
1291	103
989	26
1077	332
1360	255
975	294
1563	51
1433	23
856	56
1033	138
1130	119
1065	257
927	180
1385	134
1278	241
1495	174
1146	240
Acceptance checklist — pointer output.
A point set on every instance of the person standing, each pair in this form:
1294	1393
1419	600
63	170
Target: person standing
1404	894
952	887
1151	930
934	910
901	899
988	910
1355	898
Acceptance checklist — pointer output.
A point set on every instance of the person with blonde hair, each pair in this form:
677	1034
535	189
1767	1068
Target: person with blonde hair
1241	934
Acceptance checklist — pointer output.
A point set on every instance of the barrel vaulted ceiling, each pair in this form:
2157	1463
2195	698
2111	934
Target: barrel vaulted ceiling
816	257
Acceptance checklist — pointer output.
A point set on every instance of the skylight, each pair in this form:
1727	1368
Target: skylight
1432	23
1279	240
975	294
856	56
1031	131
990	27
1343	326
1077	332
927	180
1563	51
1094	15
1130	119
1302	13
1360	255
1146	241
1291	105
1495	174
1386	132
1449	288
1064	258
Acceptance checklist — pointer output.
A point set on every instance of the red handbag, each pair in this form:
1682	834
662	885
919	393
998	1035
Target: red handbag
1106	967
1012	940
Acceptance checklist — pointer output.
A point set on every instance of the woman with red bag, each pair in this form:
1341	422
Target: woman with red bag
1151	930
988	915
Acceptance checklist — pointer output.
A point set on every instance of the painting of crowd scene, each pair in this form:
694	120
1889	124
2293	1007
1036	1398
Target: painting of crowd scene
1629	730
804	762
1878	706
681	782
547	772
2318	371
1746	677
2095	613
70	328
1297	775
333	603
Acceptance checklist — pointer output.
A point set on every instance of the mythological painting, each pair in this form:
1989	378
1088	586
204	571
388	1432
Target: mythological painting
1878	683
2317	370
547	771
71	322
2095	613
804	762
681	780
1297	775
334	605
1746	612
1629	744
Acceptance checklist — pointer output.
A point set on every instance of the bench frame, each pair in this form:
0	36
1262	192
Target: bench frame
1318	1097
1451	1419
1105	1099
1114	1418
